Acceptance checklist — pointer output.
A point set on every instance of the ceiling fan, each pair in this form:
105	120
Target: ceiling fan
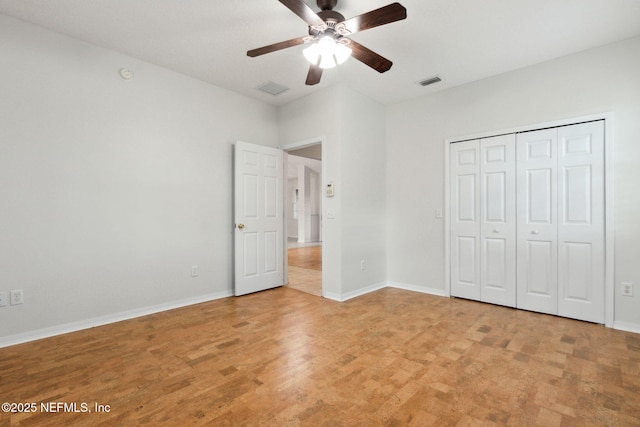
328	31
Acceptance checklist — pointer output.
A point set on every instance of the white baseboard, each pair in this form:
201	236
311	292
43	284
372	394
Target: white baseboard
378	286
109	318
415	288
356	293
627	327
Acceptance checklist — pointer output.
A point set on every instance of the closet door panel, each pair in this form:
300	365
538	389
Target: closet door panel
498	222
465	219
537	256
581	255
540	259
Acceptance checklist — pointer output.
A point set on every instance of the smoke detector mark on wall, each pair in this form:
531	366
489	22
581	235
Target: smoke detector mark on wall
126	73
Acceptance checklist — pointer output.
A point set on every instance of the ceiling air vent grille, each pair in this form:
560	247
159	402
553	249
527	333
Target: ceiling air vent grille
430	81
272	88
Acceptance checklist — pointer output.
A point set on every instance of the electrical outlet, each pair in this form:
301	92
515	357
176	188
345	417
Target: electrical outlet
627	289
17	297
3	299
362	265
195	271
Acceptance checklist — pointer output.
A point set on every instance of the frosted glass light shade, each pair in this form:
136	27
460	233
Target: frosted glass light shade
342	53
312	53
326	53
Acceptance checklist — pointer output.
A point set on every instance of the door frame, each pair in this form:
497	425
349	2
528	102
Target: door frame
609	186
291	147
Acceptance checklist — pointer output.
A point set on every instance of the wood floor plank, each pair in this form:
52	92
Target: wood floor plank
305	269
283	357
309	257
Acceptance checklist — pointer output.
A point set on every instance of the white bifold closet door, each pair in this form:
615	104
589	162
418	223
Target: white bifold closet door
498	220
483	224
560	211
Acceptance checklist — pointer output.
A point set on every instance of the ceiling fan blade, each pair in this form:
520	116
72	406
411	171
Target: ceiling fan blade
385	15
369	57
313	77
301	9
275	47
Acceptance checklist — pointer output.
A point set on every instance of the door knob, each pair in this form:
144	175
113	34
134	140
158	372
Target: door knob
535	232
241	226
496	230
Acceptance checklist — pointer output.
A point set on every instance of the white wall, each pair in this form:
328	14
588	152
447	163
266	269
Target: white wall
291	208
111	189
352	128
364	195
296	172
299	121
295	161
595	81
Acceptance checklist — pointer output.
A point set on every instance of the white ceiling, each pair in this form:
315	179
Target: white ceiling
459	40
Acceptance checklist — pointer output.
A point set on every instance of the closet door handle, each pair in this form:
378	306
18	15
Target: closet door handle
496	230
536	232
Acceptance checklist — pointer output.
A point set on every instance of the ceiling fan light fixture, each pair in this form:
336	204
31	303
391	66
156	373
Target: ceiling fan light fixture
342	53
329	34
326	46
327	53
327	61
312	53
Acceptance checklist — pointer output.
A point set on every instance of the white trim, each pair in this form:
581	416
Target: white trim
356	293
302	144
536	126
416	288
332	296
609	199
627	327
609	222
295	146
382	285
447	225
107	319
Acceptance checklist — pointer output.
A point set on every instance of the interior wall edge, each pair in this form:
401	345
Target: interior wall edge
626	326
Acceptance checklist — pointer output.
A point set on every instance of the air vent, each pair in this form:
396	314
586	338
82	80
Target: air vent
430	81
272	88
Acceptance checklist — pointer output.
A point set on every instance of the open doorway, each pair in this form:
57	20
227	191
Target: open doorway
303	207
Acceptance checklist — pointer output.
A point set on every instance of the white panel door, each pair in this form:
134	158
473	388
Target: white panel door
537	258
581	254
498	220
259	224
465	219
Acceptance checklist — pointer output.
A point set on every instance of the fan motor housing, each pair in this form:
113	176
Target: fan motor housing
330	15
326	4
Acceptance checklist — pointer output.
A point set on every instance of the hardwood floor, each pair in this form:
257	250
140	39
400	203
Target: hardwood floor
306	257
305	269
283	357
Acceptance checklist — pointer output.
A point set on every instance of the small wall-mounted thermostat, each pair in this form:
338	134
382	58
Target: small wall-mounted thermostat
330	192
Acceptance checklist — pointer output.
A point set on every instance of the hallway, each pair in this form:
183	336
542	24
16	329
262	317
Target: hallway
305	269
